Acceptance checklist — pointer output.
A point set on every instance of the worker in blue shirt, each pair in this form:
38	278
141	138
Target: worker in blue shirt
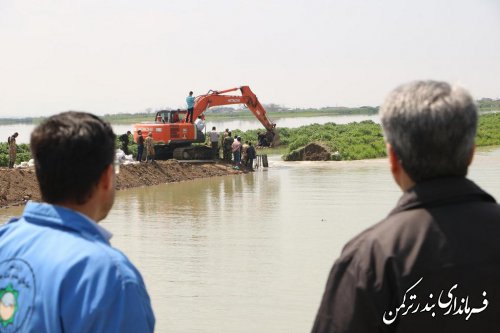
58	271
190	107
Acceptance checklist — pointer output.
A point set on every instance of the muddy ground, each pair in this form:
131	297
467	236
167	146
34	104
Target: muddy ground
20	185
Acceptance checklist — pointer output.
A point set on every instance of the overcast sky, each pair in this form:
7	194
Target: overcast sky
110	56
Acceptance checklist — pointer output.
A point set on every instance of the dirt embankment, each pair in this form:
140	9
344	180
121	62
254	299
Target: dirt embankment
314	151
20	185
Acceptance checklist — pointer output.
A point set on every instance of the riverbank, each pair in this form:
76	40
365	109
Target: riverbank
348	141
20	185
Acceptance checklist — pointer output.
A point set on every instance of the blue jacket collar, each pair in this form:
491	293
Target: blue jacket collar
61	217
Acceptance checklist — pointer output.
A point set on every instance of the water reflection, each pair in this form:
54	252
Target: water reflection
251	253
245	253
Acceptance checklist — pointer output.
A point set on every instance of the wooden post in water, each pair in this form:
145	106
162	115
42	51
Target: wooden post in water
261	161
264	161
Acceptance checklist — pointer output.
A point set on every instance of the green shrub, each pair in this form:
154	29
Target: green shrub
488	133
23	154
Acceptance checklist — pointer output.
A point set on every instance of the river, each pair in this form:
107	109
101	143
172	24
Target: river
251	253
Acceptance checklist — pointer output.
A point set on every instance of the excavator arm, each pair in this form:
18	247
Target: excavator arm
217	98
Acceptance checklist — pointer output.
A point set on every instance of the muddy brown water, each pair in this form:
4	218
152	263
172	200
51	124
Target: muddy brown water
251	253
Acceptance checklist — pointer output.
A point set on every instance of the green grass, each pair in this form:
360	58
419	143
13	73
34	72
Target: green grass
365	139
488	104
352	141
23	154
488	133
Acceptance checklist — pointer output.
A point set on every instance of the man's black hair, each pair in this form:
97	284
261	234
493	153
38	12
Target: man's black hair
71	150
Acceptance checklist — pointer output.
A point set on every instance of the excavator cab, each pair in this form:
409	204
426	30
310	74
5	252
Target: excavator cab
169	116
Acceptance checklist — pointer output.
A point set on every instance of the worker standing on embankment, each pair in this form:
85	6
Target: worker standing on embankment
236	148
150	148
228	141
11	140
214	142
140	145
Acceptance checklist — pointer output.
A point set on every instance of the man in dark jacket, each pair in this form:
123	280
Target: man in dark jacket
140	145
251	155
433	265
228	141
124	139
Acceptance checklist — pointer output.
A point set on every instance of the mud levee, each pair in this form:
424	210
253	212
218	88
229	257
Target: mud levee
20	185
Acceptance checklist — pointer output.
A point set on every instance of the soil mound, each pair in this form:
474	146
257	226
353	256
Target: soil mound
17	186
312	152
316	152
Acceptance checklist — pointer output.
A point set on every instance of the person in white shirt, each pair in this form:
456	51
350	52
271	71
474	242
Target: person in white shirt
200	124
214	142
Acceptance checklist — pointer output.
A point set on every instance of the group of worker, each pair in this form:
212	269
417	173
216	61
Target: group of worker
233	150
142	143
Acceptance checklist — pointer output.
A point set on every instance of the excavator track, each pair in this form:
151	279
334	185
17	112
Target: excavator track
193	153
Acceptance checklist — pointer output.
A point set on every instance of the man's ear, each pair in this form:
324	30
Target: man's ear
471	156
393	159
399	174
107	178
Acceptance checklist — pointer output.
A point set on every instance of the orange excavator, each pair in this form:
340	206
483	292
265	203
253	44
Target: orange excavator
174	136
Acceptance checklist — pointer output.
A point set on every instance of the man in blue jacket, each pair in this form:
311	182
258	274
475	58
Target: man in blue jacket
58	271
190	107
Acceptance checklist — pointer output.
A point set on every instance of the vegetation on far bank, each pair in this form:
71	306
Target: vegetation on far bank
361	140
488	104
352	141
224	113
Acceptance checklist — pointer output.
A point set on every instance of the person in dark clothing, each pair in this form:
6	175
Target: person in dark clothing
433	264
124	139
269	138
251	155
227	152
11	141
140	145
261	139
